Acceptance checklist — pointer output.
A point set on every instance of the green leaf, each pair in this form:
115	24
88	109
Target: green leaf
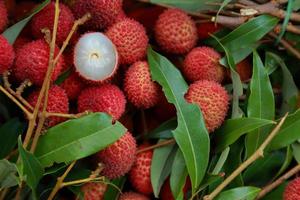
164	131
221	161
77	138
8	176
296	151
161	166
13	32
191	134
112	193
233	129
287	161
261	103
9	133
31	169
178	175
223	5
296	6
240	193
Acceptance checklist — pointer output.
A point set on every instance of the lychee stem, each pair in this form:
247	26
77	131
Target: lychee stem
256	155
158	145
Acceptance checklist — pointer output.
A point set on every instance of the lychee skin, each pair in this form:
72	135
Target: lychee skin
3	16
105	98
139	174
58	102
73	86
202	63
45	19
115	163
212	99
130	38
207	28
292	190
7	55
94	190
139	87
175	32
133	196
104	12
32	62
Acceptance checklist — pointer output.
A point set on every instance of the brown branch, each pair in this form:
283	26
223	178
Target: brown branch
66	115
158	145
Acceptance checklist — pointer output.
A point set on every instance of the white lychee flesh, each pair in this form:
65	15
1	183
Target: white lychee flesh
95	57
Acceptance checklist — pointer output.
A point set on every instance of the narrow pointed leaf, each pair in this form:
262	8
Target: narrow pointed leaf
8	173
241	193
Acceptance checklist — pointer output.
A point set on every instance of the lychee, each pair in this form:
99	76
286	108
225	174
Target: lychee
212	99
73	86
207	28
105	98
104	12
32	62
116	164
164	110
57	103
131	40
94	190
202	63
95	57
292	190
175	32
21	41
133	196
139	175
166	193
7	55
139	88
3	16
244	69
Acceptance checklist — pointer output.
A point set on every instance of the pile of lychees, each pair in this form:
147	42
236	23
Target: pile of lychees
108	72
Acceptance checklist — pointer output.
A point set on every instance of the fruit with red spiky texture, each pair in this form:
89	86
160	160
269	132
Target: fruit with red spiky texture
58	102
21	41
115	163
139	174
131	40
207	28
202	63
45	19
133	196
7	55
212	99
73	85
105	98
104	12
32	62
139	88
243	68
3	16
93	190
292	190
175	31
166	193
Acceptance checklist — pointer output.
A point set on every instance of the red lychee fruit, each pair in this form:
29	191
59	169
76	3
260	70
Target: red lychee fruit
139	174
133	196
32	62
105	98
212	99
21	41
73	85
164	110
3	16
166	193
175	32
292	190
202	63
207	28
95	57
139	88
104	12
131	40
116	164
58	102
94	190
7	55
244	69
45	19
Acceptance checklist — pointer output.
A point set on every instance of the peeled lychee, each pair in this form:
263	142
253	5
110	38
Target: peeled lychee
119	157
7	55
105	98
139	175
73	86
213	101
94	190
131	40
202	63
292	190
139	88
45	19
32	62
207	28
95	57
175	32
3	16
133	196
104	12
57	103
